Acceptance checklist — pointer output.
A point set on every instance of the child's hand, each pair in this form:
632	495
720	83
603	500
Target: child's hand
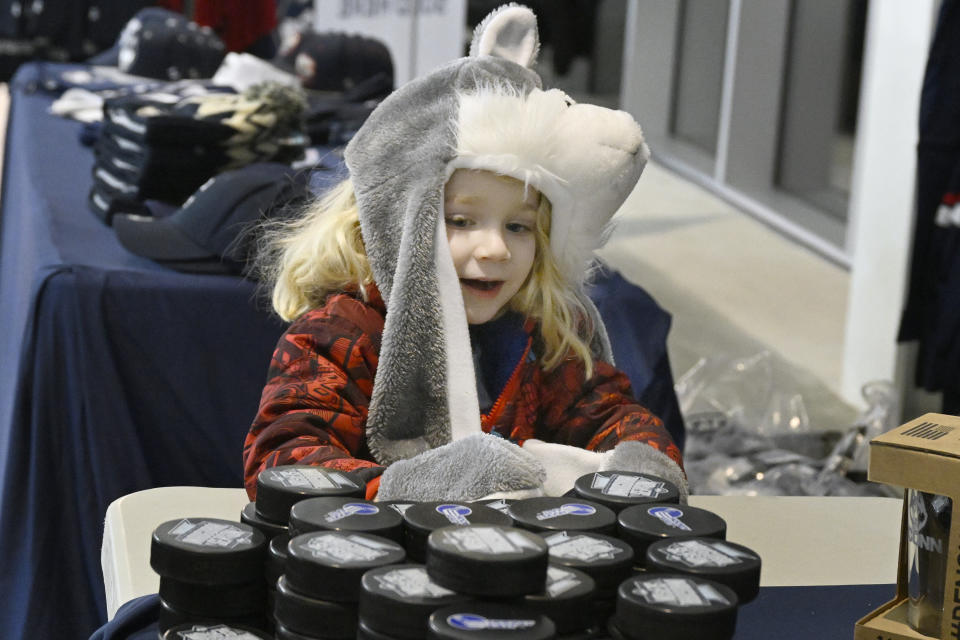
468	469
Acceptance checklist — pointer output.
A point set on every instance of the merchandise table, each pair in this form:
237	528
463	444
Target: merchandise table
122	375
826	561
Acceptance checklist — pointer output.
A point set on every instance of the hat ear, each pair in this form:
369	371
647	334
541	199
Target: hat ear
509	32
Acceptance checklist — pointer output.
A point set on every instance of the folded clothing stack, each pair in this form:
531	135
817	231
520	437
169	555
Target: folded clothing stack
164	146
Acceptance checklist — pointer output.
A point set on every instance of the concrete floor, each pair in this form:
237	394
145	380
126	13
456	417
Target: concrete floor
735	288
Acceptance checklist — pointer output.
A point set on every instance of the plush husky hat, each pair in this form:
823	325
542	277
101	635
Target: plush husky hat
486	111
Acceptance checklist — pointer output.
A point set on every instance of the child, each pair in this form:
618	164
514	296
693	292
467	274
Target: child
439	317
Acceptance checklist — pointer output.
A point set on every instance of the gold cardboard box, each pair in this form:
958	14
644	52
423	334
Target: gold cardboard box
923	454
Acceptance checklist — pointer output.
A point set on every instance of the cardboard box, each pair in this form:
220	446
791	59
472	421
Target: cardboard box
922	454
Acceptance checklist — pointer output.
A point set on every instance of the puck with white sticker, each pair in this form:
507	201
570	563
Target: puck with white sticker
249	515
566	599
214	632
563	514
208	551
487	560
328	565
276	559
345	514
621	489
216	600
489	621
312	617
397	600
719	560
604	558
170	617
642	525
674	607
279	488
423	518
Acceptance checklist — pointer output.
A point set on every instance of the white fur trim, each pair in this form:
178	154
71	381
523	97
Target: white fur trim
462	400
564	463
585	159
509	32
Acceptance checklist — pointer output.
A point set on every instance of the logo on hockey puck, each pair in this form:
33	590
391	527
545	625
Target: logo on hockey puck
204	533
352	509
455	513
628	486
569	509
474	622
670	516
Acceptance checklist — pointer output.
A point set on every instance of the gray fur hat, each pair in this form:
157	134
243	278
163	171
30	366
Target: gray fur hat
486	111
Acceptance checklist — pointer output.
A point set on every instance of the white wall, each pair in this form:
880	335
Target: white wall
882	190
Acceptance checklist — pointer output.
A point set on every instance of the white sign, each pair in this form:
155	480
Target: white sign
420	34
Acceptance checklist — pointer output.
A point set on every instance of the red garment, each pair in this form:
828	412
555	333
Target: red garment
313	409
239	23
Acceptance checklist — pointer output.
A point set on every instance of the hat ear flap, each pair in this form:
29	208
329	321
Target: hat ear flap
509	32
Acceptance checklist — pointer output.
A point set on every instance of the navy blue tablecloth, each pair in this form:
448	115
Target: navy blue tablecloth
778	613
120	375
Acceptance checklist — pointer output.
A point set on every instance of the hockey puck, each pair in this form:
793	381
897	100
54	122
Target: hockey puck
279	488
208	551
563	514
170	617
487	560
642	525
214	632
345	514
276	559
621	489
606	559
214	600
489	621
249	515
312	617
422	519
565	599
718	560
328	565
398	600
674	607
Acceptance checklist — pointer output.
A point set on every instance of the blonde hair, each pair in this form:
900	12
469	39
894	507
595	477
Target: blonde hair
321	252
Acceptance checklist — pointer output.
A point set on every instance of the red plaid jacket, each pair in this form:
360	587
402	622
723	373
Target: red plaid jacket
313	409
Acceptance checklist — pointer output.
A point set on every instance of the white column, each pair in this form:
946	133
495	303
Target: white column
882	191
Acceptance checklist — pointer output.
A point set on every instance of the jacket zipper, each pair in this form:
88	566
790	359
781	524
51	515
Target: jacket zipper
490	418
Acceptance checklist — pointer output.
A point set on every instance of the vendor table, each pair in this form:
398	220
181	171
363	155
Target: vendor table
121	375
826	561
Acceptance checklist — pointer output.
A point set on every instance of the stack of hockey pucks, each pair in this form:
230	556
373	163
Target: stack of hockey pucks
562	514
618	490
720	561
420	520
279	488
642	525
211	571
396	602
608	560
487	560
347	515
318	592
673	607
